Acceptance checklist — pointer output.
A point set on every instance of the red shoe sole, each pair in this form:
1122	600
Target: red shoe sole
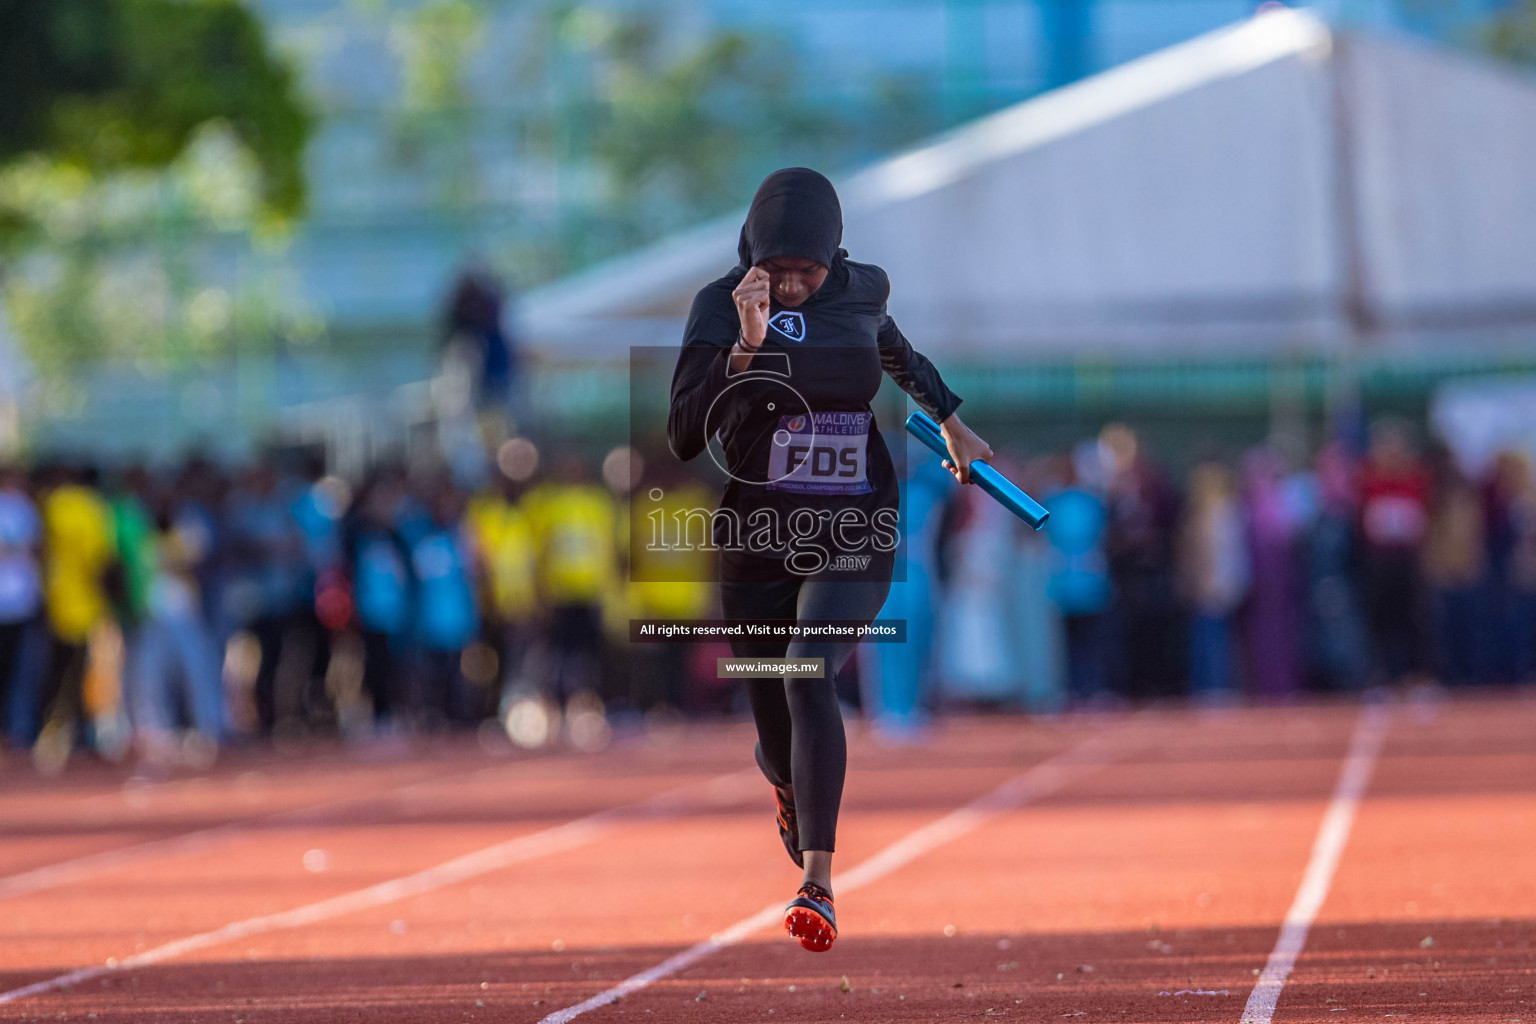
813	930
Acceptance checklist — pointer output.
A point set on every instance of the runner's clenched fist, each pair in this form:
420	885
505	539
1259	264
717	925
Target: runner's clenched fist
751	297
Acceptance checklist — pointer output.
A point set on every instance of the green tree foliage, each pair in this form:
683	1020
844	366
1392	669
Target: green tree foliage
151	150
1512	34
695	119
138	140
113	84
433	118
639	124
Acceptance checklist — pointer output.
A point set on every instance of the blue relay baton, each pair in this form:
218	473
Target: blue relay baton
1013	498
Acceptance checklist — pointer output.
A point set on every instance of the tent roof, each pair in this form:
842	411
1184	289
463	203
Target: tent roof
1275	181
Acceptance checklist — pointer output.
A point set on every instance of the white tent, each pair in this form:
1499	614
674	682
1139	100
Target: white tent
1277	186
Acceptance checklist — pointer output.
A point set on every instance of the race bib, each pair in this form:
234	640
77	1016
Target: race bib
825	453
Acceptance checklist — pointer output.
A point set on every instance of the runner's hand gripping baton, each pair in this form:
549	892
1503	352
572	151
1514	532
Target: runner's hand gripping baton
1013	498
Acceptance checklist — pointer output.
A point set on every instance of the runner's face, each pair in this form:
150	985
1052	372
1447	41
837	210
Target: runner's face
792	280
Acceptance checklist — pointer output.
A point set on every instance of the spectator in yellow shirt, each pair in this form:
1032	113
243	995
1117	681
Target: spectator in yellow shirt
79	553
573	523
667	580
504	536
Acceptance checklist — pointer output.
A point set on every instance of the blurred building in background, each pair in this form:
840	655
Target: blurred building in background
536	133
542	138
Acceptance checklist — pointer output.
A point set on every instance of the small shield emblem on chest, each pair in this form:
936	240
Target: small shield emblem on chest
789	324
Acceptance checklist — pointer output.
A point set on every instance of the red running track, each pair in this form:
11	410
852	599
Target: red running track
1142	874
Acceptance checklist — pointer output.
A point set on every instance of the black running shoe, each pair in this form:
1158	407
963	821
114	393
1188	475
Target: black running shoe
789	827
811	919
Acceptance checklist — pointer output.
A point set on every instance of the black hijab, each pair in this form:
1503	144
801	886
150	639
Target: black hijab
795	213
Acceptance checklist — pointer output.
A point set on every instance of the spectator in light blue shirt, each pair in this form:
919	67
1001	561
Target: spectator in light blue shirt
21	592
1080	584
447	612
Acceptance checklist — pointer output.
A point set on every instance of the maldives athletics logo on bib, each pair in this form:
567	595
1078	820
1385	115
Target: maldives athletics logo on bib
790	324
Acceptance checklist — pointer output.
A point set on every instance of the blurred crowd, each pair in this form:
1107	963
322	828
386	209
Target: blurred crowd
1249	577
164	614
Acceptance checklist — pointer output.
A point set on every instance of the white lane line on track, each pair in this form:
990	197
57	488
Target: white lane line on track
76	869
1327	848
1043	779
722	790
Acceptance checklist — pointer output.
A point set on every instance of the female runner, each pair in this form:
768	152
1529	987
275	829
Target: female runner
781	359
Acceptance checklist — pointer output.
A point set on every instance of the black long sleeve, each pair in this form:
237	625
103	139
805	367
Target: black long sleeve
699	378
828	363
913	373
701	366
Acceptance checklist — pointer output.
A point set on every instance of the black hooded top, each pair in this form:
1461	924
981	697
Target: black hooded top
794	213
796	427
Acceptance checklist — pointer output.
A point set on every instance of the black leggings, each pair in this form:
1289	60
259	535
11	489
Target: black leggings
800	741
